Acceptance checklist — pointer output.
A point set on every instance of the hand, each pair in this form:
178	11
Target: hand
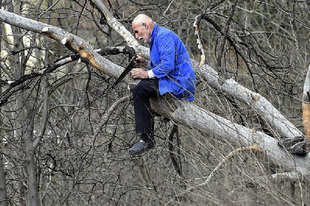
139	74
141	61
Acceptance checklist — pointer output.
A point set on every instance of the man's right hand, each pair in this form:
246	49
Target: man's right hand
141	61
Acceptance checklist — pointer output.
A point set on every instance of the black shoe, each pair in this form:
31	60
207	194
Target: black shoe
289	142
295	145
140	147
299	149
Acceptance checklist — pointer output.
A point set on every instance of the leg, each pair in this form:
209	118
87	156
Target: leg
143	115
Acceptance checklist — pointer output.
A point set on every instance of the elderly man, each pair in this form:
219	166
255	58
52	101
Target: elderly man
170	71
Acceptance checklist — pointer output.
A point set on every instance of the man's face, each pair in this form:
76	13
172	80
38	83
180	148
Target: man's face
141	32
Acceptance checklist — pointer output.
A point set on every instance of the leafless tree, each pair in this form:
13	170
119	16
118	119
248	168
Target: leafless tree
65	131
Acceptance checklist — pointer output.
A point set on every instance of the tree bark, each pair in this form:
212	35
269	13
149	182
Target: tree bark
257	102
25	132
33	192
197	118
3	189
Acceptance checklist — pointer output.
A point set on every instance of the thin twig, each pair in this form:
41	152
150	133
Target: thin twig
254	148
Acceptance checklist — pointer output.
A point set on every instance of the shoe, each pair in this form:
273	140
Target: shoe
289	142
296	145
299	149
140	147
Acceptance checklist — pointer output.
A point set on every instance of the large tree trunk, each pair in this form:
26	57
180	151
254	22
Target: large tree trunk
33	192
197	118
3	189
24	130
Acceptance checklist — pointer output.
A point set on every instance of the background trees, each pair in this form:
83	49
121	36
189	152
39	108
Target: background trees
64	132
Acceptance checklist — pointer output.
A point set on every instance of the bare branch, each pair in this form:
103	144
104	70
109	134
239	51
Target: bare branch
253	148
198	40
109	112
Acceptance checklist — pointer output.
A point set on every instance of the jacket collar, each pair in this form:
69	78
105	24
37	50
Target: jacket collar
154	32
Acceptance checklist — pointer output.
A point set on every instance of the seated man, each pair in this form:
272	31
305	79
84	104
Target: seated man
170	72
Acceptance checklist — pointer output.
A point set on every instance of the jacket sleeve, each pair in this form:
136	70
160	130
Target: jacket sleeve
166	48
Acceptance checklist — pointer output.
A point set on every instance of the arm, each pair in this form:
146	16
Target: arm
166	49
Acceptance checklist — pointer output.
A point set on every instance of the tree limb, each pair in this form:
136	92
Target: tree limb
118	27
197	118
107	115
71	41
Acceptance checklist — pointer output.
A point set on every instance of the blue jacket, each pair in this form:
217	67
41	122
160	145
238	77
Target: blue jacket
171	64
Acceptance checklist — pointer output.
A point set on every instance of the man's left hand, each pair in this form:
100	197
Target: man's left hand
139	74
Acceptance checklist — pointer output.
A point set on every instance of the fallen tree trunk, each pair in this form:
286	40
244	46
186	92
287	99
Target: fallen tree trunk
256	101
195	117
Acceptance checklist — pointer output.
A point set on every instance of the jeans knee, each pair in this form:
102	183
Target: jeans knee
138	91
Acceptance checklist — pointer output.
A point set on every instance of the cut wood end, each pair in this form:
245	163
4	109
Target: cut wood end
202	61
64	40
10	82
255	98
45	29
41	71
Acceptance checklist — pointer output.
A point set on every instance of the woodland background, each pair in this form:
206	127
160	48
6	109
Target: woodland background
65	132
